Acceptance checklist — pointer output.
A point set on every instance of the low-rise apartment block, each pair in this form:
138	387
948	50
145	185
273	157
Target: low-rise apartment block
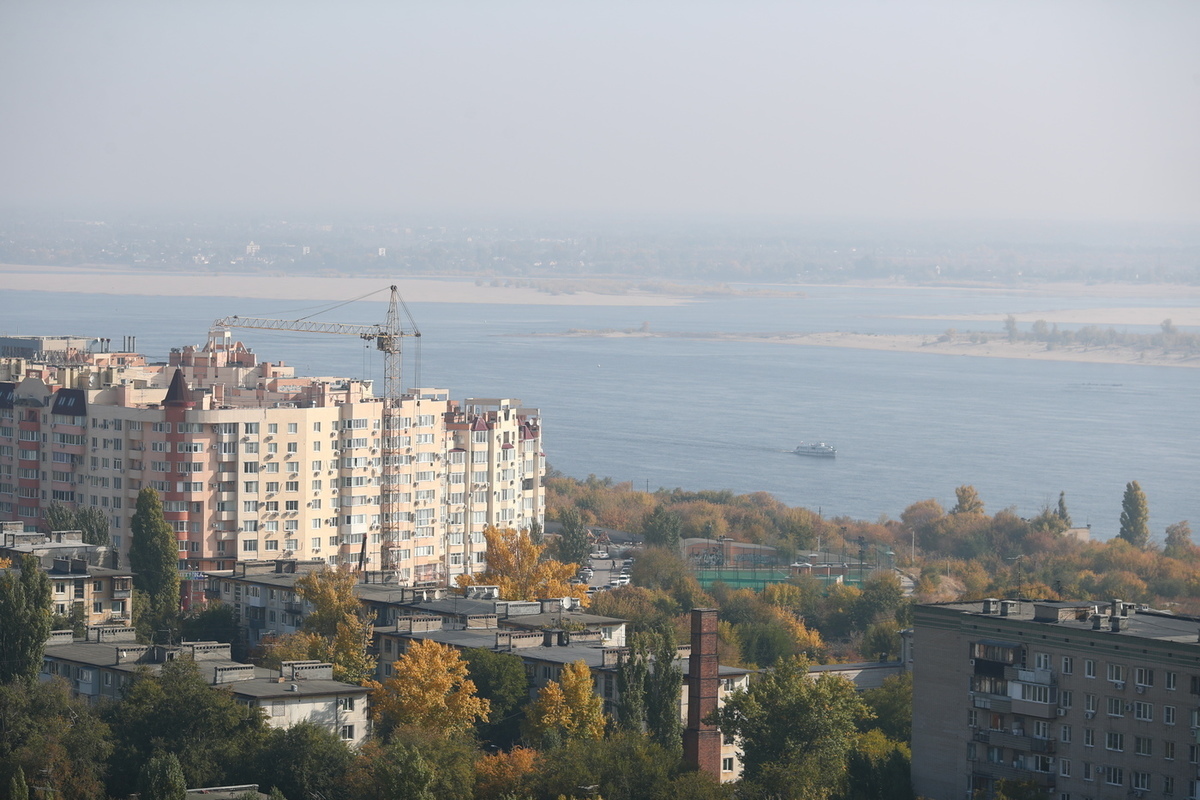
1081	699
101	667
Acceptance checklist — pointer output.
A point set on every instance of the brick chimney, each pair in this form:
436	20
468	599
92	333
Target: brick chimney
701	741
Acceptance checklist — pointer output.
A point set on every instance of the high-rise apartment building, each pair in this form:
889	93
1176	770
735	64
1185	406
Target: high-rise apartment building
252	461
1083	700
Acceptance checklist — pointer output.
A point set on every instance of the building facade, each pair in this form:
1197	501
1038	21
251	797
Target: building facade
252	461
1084	700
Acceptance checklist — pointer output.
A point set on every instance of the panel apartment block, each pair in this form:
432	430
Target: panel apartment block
1082	699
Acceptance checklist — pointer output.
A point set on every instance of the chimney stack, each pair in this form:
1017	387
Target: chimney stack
702	741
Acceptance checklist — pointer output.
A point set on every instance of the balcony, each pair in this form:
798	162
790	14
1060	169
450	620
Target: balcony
1005	772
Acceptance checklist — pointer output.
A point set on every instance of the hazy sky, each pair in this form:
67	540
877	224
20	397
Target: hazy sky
957	109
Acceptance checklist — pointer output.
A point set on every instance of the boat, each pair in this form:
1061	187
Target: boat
816	449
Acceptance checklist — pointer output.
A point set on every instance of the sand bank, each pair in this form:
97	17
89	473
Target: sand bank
123	281
997	348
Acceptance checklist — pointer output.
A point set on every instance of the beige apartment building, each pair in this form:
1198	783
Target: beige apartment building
1085	700
253	462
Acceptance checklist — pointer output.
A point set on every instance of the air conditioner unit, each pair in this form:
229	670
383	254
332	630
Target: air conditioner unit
1089	714
1141	689
1062	712
1119	684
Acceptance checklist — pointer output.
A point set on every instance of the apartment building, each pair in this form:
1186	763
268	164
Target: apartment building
252	461
1085	700
81	588
101	667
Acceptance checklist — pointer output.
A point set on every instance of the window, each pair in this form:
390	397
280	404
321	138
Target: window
1141	781
1065	698
1089	703
1089	737
345	703
1041	661
972	714
347	732
1168	714
1064	767
1041	729
1116	707
1087	770
1064	733
1169	681
1143	711
293	427
1089	668
1116	673
1168	750
1035	693
1114	741
250	545
1068	665
1143	676
1143	745
727	764
1115	776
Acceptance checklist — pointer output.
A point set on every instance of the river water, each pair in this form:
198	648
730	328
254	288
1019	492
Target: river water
667	412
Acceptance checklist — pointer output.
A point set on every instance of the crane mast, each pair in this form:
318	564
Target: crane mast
387	338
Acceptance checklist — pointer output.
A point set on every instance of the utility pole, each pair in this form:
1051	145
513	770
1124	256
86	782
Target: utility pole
387	338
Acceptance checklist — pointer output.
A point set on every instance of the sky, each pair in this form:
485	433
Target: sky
1012	109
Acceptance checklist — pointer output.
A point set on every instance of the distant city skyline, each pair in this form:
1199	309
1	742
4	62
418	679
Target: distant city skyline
922	110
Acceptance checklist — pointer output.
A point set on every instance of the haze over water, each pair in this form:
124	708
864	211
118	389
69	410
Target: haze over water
667	412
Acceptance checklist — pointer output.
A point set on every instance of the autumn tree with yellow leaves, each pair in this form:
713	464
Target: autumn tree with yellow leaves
567	709
337	630
517	565
429	689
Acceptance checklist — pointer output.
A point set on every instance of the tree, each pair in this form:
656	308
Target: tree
632	673
305	760
161	778
17	788
25	611
215	737
567	709
661	529
878	768
337	629
1135	516
47	732
515	564
796	733
500	678
1062	509
573	544
1179	540
429	689
663	687
968	501
891	704
154	559
503	774
394	772
57	517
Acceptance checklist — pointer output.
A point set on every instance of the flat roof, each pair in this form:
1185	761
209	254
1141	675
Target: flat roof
1141	622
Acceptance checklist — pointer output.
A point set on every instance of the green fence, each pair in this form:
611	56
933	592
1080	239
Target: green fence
759	579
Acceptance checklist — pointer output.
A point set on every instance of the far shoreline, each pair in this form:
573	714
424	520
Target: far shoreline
931	344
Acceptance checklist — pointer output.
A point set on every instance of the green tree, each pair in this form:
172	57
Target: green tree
499	678
1135	516
968	501
306	760
1062	512
154	559
623	766
25	611
94	524
891	704
796	733
17	788
661	529
663	685
573	539
45	731
214	622
215	738
878	768
161	778
1179	540
632	674
394	772
57	517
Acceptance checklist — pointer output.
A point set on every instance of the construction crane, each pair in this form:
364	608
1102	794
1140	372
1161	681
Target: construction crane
387	338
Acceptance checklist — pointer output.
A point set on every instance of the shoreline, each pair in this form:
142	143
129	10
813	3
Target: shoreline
923	343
